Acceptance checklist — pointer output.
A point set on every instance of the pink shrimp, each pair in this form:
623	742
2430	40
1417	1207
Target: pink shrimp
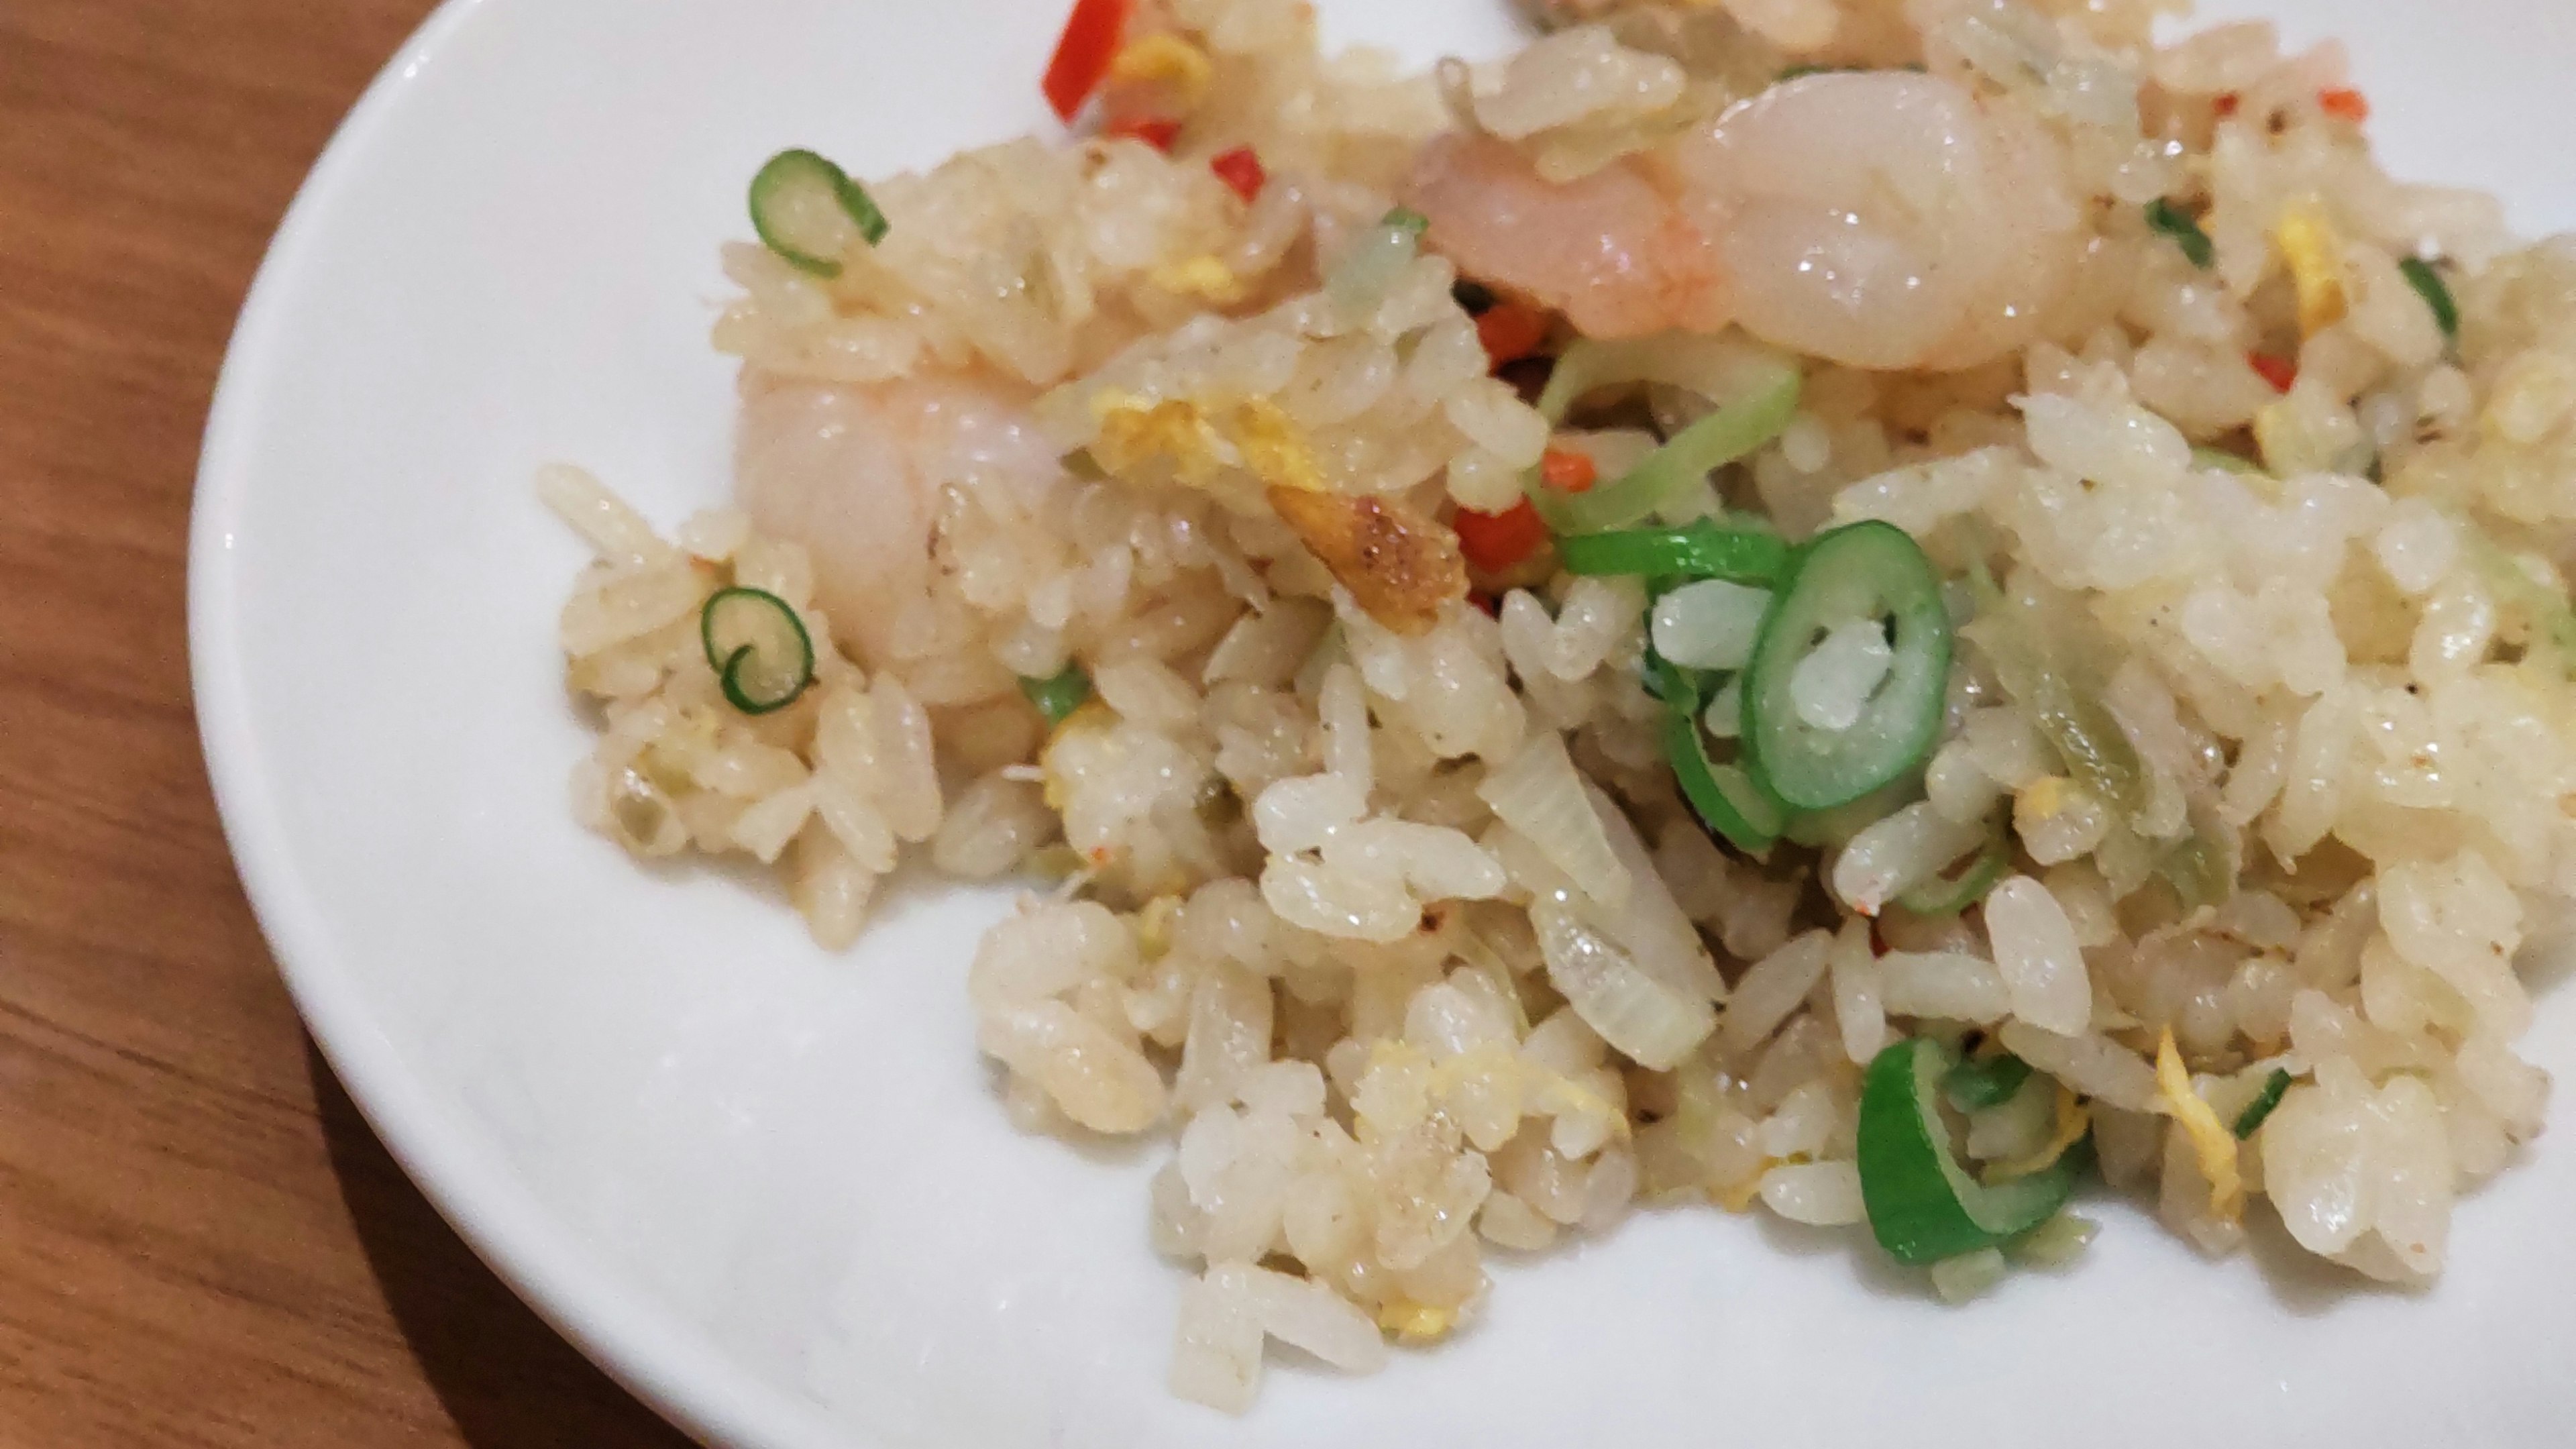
855	473
1880	219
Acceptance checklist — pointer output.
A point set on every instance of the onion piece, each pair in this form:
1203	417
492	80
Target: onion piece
1539	794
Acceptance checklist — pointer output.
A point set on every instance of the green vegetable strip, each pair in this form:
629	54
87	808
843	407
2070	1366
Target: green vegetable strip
1738	426
2168	219
758	647
1923	1206
1698	550
2275	1087
1726	798
2428	284
1870	570
800	204
1406	219
1950	897
1973	1085
1060	695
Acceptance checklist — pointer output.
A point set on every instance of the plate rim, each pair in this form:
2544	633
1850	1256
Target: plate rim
643	1345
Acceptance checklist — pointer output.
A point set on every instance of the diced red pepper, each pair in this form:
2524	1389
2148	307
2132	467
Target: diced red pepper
2281	372
1494	542
1240	169
1083	53
2225	105
1568	471
1156	131
2344	104
1510	331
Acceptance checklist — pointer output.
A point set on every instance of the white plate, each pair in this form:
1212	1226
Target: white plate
773	1189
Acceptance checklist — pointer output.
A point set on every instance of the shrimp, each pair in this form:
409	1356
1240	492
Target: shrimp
1880	219
1608	250
855	474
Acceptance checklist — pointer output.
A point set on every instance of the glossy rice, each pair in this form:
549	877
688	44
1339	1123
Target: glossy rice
1365	888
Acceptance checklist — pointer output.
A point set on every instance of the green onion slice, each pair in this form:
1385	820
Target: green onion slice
1060	695
1726	797
2428	284
759	649
1406	219
1974	1085
1951	895
1869	570
1700	549
1923	1206
2275	1087
1755	391
811	213
2167	219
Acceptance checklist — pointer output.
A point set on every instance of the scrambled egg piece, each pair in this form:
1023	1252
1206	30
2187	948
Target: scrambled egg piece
2210	1139
1273	449
1154	926
2074	1119
1200	277
2314	252
1416	1322
2047	795
1166	57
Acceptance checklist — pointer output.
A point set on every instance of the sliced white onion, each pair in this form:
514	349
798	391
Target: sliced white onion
1655	1022
1710	624
1539	794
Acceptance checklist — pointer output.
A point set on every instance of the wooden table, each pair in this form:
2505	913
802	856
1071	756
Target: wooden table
200	1241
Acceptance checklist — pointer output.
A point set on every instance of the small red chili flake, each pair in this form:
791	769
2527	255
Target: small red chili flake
1083	53
2344	104
1568	471
1494	542
2281	372
1156	131
1240	169
1510	331
2225	105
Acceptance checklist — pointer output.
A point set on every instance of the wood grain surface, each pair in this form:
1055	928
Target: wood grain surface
200	1241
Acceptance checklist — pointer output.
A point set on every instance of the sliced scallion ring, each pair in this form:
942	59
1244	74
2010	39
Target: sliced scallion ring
2428	284
1860	572
759	649
1700	549
1726	797
1974	1085
811	213
1755	391
1922	1205
1058	695
2250	1120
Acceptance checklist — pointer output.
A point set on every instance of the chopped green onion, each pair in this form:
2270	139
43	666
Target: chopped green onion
1948	897
2017	639
1731	802
1060	695
2428	284
1923	1206
810	212
1862	571
1755	396
762	656
1697	550
1406	219
2168	219
2275	1087
2224	461
1974	1085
